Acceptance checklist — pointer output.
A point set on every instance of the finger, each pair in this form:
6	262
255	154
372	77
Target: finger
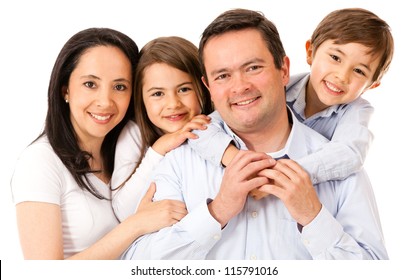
293	165
273	189
255	183
251	161
258	194
150	193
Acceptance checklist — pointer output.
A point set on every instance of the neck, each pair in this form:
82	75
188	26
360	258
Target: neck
271	138
96	161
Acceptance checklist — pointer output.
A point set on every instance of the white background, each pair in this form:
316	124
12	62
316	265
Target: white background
33	32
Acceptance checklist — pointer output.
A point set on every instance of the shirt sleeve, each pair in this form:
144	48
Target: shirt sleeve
212	142
127	198
191	238
37	176
354	232
346	152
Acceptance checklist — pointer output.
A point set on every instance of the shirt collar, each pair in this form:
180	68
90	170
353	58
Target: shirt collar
294	147
295	94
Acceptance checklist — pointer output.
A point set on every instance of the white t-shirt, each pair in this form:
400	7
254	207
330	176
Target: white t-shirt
128	152
42	177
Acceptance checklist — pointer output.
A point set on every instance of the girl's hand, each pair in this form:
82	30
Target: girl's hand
170	141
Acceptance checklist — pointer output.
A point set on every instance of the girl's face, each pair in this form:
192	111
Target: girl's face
169	96
99	92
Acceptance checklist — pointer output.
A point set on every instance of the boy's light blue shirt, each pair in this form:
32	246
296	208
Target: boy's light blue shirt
347	227
345	125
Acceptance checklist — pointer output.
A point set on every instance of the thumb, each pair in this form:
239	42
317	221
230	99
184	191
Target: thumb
148	197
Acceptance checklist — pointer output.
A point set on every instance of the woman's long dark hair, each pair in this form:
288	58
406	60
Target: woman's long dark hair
58	126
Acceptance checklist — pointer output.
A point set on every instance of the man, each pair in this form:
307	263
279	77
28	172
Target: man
246	71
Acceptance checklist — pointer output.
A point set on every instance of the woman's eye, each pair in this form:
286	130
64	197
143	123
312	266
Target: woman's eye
89	84
120	87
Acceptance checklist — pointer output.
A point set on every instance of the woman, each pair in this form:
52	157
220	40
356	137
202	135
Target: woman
61	182
170	101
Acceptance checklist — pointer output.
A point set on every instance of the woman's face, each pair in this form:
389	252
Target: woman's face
99	92
169	96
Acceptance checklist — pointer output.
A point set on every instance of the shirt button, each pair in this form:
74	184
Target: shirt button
216	237
254	214
306	242
253	257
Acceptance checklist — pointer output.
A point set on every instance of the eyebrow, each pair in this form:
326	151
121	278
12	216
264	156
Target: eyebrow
341	52
91	76
161	88
225	69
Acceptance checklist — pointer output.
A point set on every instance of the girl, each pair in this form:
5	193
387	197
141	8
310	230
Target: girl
169	100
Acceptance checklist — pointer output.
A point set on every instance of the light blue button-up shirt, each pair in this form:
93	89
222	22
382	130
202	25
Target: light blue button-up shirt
345	125
347	227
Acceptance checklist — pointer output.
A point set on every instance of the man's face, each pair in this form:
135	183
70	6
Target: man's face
245	86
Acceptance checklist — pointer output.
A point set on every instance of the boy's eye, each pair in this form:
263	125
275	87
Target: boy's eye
336	58
357	70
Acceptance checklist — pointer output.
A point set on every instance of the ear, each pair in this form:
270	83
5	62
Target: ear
375	85
65	93
285	70
205	82
309	51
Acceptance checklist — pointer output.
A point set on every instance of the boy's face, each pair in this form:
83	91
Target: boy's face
339	73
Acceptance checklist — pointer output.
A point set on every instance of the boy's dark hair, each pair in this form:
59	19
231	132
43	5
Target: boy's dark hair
356	25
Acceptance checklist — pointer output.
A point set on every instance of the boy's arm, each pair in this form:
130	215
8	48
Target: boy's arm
346	152
213	143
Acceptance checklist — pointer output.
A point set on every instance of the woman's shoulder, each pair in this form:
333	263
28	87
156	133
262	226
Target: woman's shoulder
39	153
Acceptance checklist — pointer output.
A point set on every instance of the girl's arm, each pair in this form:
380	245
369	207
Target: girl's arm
213	144
128	152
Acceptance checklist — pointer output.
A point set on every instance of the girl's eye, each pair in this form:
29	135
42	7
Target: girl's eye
157	94
120	87
184	89
90	84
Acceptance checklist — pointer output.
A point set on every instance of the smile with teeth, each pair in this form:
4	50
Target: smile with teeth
175	117
100	118
332	87
246	102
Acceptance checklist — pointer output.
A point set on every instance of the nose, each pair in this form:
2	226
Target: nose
173	101
104	97
240	83
343	75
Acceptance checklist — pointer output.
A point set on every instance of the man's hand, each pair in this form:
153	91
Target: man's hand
291	183
241	176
